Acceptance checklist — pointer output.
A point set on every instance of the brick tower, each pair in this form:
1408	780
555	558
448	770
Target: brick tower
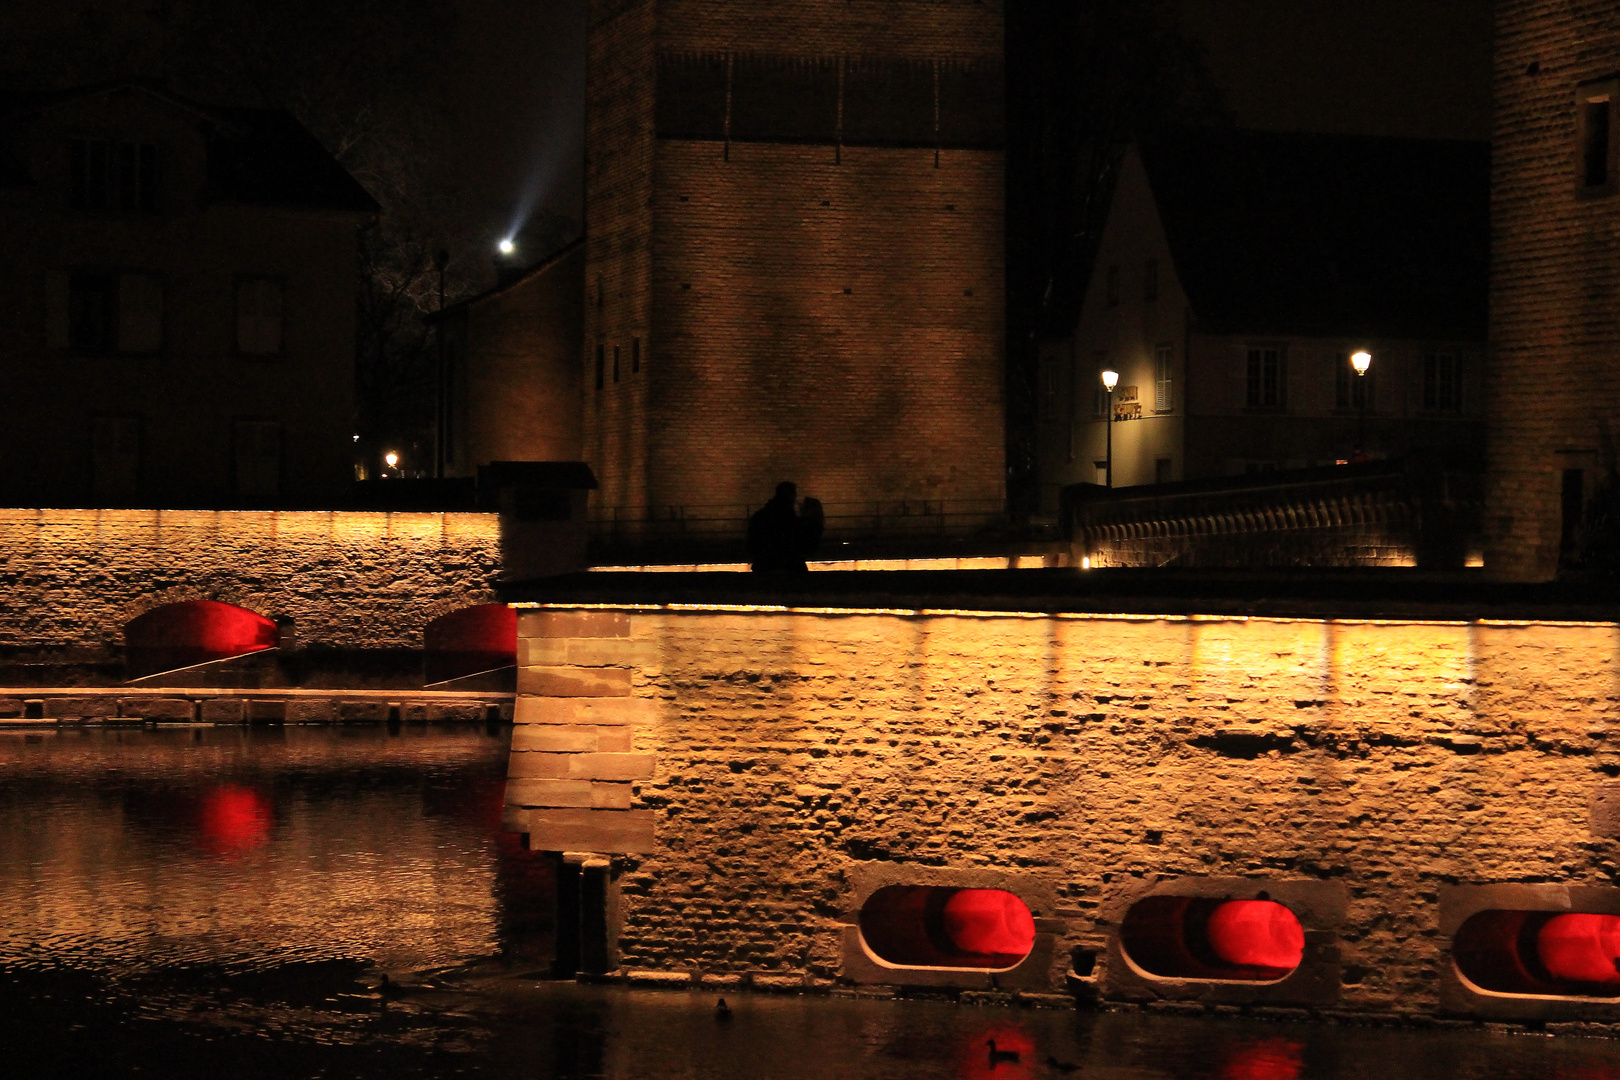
1553	397
794	220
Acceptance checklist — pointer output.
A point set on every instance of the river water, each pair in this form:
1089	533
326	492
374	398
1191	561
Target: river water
197	902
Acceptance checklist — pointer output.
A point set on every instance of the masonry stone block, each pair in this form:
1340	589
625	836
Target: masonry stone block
363	712
528	764
610	796
170	710
311	710
11	707
584	652
222	711
605	831
79	708
535	709
573	624
574	682
267	712
612	766
1603	809
556	738
534	791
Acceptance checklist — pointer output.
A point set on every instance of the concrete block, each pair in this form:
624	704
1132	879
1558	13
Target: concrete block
362	712
170	710
611	766
536	709
556	738
606	831
222	711
311	711
541	792
574	681
267	712
573	624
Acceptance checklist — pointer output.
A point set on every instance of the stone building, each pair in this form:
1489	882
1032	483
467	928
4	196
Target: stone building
1237	274
180	319
1554	392
794	255
513	374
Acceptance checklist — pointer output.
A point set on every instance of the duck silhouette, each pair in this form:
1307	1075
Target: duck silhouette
1061	1066
998	1056
722	1011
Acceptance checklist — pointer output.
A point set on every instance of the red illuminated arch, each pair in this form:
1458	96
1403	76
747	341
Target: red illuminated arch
941	926
1541	953
470	641
194	632
1185	937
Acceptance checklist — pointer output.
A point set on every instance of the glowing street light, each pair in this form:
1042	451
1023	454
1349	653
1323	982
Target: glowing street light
506	247
1361	360
1110	379
391	459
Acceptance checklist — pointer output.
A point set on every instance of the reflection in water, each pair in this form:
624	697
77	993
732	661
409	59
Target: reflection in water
234	818
223	903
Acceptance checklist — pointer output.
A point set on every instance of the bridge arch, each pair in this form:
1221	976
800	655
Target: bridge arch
190	632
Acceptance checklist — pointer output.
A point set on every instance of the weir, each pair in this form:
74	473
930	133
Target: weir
1292	802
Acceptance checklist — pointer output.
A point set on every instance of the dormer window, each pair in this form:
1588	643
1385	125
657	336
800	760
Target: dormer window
107	175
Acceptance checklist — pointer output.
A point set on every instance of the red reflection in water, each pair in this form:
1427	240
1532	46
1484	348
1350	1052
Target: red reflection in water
1581	947
989	921
1257	933
1270	1059
234	819
973	1056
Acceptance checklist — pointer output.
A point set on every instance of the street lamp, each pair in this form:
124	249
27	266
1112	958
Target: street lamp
391	459
1110	379
1361	360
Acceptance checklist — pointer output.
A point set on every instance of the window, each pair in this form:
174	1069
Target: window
1442	382
258	316
1101	471
635	355
115	458
1164	358
1162	472
1113	285
1594	121
1264	384
615	363
1150	280
106	175
1351	391
601	364
257	454
114	313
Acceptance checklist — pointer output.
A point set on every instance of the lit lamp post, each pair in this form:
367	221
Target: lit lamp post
1110	379
1361	361
391	459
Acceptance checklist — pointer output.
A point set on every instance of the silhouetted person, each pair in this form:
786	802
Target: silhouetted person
778	538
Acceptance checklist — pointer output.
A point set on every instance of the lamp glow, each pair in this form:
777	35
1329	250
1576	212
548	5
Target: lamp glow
506	246
1110	379
1361	361
391	459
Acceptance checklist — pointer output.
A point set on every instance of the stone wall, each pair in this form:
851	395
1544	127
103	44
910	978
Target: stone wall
782	756
1554	390
73	578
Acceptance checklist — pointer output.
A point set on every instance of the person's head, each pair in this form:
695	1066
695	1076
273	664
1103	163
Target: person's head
787	491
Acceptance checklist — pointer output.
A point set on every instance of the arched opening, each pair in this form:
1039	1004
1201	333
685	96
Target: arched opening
1544	953
469	642
1187	937
194	632
939	926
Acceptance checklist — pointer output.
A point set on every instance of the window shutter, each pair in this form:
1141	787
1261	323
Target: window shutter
58	326
140	313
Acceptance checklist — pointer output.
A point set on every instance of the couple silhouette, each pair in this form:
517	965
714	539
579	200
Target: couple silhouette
782	534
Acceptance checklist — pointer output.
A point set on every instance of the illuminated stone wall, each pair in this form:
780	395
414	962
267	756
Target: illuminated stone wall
72	578
792	752
1554	390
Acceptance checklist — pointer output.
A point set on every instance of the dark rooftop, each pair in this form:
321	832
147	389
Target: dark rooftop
1326	234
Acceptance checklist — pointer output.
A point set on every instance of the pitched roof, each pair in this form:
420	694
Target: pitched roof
1326	234
259	156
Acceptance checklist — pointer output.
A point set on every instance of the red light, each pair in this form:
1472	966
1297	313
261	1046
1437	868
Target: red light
234	819
1257	933
1269	1059
989	921
1581	947
470	641
195	632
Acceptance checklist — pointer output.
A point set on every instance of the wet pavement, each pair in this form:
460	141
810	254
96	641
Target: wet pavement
200	902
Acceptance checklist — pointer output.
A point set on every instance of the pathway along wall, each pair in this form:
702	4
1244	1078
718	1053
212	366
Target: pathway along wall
760	773
73	578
